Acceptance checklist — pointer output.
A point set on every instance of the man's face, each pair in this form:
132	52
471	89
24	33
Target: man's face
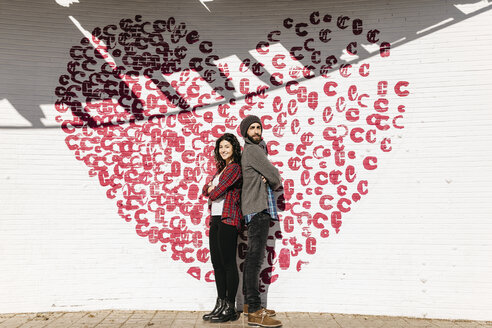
254	133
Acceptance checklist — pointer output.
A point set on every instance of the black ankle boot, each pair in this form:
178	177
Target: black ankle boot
228	313
219	306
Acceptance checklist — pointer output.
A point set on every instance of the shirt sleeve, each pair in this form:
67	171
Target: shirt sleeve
205	188
260	163
231	175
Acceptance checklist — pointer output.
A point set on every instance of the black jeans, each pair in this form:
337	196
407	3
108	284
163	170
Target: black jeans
257	238
223	246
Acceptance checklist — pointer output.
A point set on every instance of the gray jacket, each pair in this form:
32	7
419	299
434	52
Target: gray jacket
254	164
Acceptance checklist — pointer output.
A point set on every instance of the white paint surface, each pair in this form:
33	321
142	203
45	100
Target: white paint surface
66	3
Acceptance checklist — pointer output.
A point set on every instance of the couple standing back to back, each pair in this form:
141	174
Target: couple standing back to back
242	188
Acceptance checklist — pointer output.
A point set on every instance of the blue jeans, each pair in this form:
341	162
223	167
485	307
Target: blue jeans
257	238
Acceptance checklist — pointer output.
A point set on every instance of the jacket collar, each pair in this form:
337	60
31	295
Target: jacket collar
249	142
262	144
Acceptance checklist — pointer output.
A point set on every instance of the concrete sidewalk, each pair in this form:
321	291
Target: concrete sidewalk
188	319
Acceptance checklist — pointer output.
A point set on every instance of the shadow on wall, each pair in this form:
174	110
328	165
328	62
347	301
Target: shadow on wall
35	49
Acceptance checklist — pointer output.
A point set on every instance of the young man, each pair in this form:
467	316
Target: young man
260	177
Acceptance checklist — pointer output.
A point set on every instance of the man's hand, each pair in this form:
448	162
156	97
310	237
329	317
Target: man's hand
263	178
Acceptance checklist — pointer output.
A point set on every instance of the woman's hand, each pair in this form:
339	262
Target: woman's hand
210	187
263	178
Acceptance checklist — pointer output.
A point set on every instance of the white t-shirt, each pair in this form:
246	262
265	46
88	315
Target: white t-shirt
218	204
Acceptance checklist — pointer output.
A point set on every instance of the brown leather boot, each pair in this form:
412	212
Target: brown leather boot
261	318
271	313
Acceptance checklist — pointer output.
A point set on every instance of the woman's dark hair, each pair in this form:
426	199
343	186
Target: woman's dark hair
236	151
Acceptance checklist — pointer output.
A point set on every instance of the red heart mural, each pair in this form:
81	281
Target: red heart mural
149	100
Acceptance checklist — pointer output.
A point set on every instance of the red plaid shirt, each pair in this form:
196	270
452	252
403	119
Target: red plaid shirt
229	187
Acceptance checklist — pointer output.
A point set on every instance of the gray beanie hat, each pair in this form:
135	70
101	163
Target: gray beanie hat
247	121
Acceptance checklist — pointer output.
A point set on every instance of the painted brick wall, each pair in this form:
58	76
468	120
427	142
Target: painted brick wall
100	215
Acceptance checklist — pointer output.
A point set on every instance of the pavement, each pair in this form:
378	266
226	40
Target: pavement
189	319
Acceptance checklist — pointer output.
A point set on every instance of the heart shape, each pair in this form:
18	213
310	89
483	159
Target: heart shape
149	99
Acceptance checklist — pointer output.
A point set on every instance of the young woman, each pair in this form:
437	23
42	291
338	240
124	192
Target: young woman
224	192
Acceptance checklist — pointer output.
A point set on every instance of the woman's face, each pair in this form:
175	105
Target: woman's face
225	150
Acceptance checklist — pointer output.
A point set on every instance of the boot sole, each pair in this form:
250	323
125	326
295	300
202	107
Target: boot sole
262	325
208	319
232	318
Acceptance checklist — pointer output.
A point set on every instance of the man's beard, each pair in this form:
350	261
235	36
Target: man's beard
253	140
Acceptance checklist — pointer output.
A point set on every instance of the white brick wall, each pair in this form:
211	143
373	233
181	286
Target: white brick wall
418	244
